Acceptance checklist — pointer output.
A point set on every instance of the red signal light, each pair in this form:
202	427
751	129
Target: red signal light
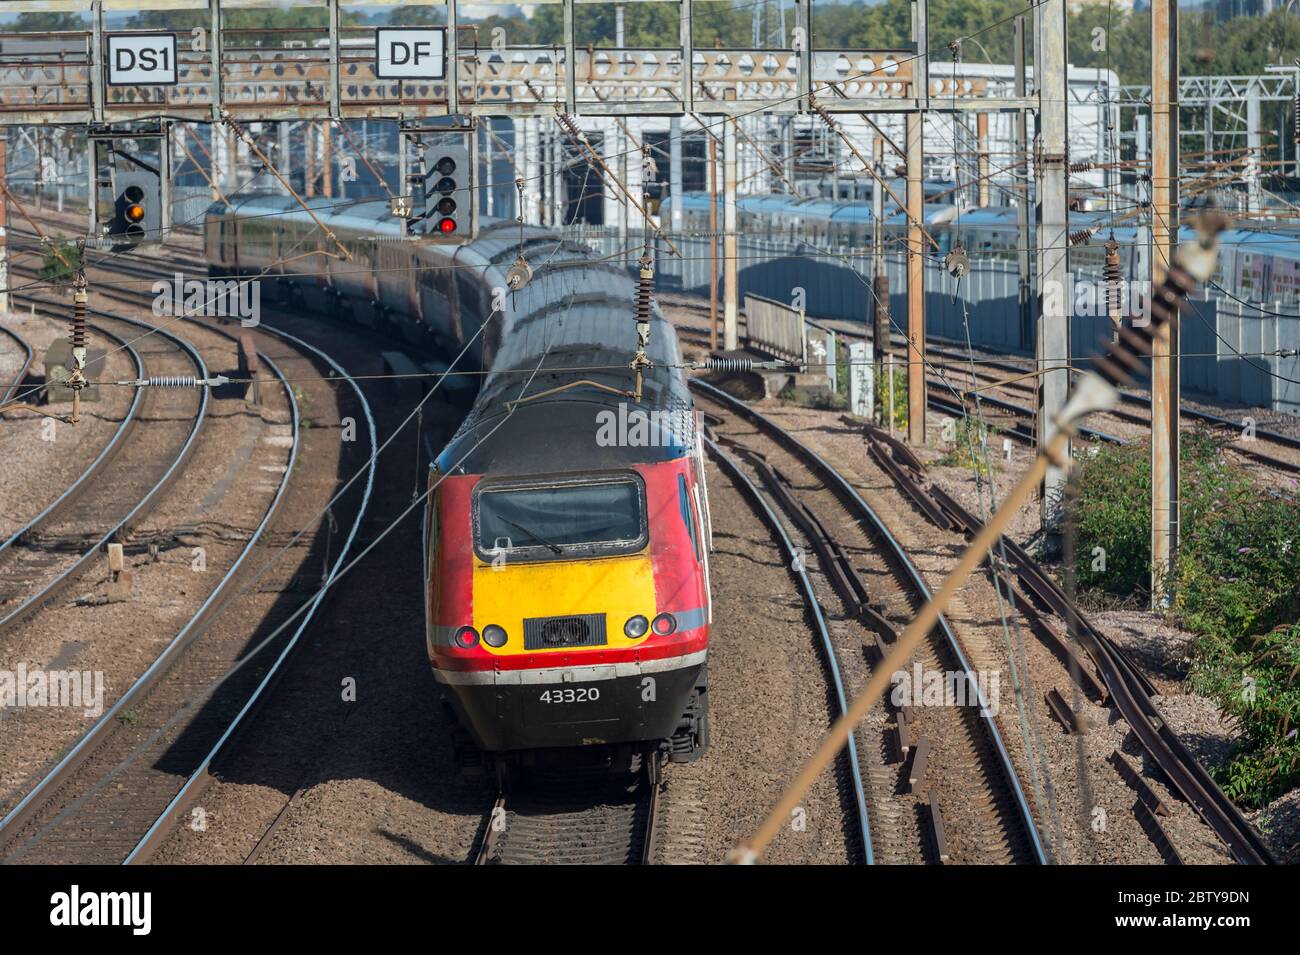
447	226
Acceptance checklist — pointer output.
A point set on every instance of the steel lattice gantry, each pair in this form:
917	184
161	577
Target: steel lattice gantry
61	76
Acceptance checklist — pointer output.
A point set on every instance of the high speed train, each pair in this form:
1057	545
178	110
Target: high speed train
567	530
1256	263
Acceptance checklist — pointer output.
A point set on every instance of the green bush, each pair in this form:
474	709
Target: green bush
53	270
970	446
1235	584
900	397
1113	510
1255	681
1112	523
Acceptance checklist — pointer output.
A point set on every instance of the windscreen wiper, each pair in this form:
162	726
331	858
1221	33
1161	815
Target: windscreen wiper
555	548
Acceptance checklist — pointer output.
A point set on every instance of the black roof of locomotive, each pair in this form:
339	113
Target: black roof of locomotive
559	432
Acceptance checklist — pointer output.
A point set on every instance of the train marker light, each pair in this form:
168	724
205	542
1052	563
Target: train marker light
494	636
636	627
466	638
664	624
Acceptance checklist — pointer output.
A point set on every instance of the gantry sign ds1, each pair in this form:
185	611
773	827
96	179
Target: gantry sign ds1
142	59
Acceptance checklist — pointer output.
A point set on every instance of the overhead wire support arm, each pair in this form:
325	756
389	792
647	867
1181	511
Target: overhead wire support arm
571	127
365	157
270	166
767	160
834	126
40	233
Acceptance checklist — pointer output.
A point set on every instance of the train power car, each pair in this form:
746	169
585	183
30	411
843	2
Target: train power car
566	526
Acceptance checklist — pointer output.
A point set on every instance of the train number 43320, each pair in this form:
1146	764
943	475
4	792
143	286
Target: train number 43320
581	694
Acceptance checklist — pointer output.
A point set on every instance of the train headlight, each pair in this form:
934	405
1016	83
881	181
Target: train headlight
636	627
466	638
664	624
494	636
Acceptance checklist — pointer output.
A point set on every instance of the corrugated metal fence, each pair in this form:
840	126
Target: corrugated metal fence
839	287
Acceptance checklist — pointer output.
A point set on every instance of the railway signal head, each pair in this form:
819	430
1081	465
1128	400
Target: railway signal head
137	210
451	212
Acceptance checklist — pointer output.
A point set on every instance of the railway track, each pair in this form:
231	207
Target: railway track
1017	420
102	801
140	462
47	823
951	364
587	816
23	364
850	768
1117	680
928	757
175	813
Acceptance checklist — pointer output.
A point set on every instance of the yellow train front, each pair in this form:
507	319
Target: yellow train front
567	535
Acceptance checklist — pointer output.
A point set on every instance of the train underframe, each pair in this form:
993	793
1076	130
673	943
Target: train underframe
502	727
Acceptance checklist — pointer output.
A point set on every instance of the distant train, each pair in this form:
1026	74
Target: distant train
1256	263
566	562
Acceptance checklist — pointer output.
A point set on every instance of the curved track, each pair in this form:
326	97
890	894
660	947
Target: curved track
120	485
1129	691
62	784
24	364
103	801
175	811
853	770
1006	828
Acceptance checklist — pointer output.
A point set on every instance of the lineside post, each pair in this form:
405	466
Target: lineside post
982	132
881	333
4	220
915	284
1024	253
1053	346
1164	231
731	271
713	244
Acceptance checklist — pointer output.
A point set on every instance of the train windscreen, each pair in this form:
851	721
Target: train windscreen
556	521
